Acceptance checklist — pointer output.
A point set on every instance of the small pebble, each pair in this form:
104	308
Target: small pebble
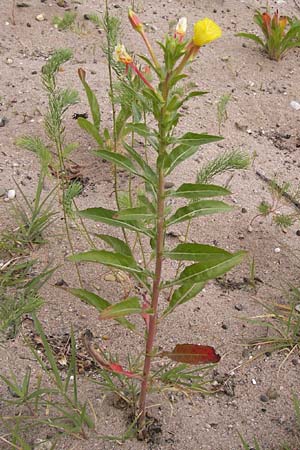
3	121
298	233
40	17
244	210
295	105
239	307
264	398
272	393
9	61
224	326
11	194
277	250
253	381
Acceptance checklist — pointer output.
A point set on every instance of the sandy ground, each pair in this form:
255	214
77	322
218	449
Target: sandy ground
261	122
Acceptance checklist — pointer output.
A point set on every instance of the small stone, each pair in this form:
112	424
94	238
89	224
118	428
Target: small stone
244	210
224	326
9	61
3	121
239	307
297	308
181	238
253	381
169	184
40	17
295	105
41	444
277	250
272	393
11	194
110	277
264	398
298	233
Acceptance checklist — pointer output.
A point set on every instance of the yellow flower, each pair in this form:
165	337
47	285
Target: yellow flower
205	31
120	55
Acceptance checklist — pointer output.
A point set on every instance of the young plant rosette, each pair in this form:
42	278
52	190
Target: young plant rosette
277	39
152	214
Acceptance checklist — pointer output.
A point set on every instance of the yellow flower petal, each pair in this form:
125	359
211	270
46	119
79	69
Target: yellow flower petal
205	31
120	54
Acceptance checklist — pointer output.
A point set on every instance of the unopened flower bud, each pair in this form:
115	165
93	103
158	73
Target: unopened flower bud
181	28
135	21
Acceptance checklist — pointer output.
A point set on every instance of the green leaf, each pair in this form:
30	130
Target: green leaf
140	128
253	37
140	213
191	190
189	144
149	174
207	270
182	295
201	208
109	216
92	99
125	308
117	244
197	252
116	260
196	139
99	303
87	126
119	160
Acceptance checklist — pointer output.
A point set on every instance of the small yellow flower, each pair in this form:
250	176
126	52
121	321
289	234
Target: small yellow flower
120	55
205	31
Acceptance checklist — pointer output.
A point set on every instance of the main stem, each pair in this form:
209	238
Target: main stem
160	225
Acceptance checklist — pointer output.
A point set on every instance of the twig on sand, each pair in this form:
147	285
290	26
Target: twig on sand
283	193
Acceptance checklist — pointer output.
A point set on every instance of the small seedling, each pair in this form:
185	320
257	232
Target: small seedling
66	22
222	110
278	40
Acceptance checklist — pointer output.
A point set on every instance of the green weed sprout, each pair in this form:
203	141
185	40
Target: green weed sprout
152	214
277	40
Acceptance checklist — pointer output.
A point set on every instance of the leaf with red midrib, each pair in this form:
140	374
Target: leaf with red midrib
192	354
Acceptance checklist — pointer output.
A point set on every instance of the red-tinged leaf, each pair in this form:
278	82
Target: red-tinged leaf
192	354
119	369
146	316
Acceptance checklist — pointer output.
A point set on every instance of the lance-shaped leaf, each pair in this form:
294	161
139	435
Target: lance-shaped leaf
182	295
207	270
196	190
117	244
192	354
119	160
139	128
188	145
139	213
92	99
99	303
111	259
124	308
149	174
201	208
90	128
109	216
197	252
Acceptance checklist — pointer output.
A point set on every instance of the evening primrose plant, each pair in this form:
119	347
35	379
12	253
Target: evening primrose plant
153	213
277	38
